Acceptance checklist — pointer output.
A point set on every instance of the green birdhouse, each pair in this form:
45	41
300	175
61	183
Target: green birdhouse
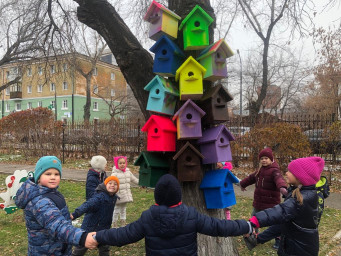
152	166
195	29
190	76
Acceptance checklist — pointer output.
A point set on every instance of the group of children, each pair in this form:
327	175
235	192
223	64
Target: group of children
169	227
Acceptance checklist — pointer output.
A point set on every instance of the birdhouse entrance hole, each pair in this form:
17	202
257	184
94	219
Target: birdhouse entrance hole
157	91
164	52
197	24
218	55
190	73
225	184
222	140
188	159
145	165
218	100
156	130
189	116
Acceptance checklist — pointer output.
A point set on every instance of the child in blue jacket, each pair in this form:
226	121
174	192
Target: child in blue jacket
47	217
170	227
96	175
99	210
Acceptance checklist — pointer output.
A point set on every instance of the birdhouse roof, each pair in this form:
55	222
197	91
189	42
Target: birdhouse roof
165	83
165	39
188	145
189	60
184	106
204	14
219	88
214	47
213	133
216	178
164	123
155	5
152	159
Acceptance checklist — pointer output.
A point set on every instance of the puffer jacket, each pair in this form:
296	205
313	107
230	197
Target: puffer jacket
299	233
93	179
99	209
125	178
49	228
267	182
171	230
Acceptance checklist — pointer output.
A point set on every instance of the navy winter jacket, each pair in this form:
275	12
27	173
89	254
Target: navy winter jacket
99	209
299	233
49	228
171	231
93	179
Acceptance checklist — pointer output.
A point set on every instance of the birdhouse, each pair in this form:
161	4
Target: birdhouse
213	58
168	57
152	167
215	145
162	21
214	103
188	121
189	163
162	95
218	188
190	76
195	29
161	133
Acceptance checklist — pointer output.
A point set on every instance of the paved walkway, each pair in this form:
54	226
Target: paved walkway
333	201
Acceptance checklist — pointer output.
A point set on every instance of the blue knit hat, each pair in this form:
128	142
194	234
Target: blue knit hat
44	163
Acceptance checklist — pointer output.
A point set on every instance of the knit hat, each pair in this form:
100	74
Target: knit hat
307	170
98	163
167	191
112	178
116	158
228	165
45	163
266	152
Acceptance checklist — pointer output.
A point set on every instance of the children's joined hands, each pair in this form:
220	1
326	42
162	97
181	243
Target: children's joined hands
90	242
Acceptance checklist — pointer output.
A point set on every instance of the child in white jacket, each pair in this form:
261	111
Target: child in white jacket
124	175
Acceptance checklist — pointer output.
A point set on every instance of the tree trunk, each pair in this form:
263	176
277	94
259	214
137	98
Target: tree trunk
136	65
87	105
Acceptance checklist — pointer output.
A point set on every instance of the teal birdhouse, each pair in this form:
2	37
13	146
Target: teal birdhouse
213	58
163	95
195	29
152	167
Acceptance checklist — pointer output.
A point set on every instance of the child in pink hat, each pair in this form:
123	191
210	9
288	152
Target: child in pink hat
296	219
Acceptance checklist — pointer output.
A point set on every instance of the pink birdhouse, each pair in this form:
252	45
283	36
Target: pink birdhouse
161	133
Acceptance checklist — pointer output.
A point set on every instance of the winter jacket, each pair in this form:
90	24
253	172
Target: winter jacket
93	179
267	182
299	233
125	178
49	228
171	231
99	209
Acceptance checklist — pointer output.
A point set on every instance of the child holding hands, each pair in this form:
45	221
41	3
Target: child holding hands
96	175
47	217
124	175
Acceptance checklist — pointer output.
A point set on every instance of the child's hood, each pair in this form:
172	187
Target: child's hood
168	221
102	188
116	158
28	191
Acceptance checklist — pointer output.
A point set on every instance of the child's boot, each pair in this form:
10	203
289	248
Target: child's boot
276	244
251	241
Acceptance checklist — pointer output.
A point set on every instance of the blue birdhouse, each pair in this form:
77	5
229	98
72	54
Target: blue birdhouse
162	95
168	57
218	188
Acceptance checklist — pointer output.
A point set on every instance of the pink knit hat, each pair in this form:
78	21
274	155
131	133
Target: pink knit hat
266	152
307	170
116	158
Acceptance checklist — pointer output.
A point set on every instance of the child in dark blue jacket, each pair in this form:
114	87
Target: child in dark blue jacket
170	227
96	175
296	219
99	210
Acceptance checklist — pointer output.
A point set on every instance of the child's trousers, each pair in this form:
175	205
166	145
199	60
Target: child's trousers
103	250
120	210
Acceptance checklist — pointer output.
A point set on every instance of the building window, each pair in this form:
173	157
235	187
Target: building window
52	69
40	104
17	106
52	87
65	67
29	89
40	70
65	86
95	72
64	104
8	90
53	104
29	71
95	106
8	74
7	107
95	90
40	88
112	92
112	76
29	105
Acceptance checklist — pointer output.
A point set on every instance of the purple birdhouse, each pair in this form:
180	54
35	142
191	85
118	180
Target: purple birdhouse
215	145
188	121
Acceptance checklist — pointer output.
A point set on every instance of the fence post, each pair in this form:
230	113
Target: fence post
63	142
